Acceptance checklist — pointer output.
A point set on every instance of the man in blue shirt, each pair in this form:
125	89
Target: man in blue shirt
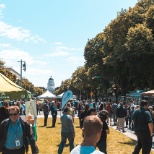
67	131
53	109
15	133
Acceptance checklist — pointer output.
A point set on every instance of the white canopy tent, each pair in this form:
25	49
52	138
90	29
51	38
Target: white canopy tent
47	94
61	95
149	93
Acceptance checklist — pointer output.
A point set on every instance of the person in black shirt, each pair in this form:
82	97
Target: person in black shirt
143	126
83	115
101	144
121	114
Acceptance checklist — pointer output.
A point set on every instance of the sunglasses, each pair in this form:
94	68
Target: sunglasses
13	114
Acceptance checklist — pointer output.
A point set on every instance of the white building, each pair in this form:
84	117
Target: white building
51	85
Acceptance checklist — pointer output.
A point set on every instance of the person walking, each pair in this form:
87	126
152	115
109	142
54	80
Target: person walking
67	130
53	109
143	126
109	110
121	114
46	111
102	143
83	114
92	128
15	134
114	110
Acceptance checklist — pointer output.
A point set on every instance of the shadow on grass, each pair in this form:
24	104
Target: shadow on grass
66	145
77	126
133	142
50	127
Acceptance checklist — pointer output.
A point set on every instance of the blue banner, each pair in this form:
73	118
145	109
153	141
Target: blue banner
66	97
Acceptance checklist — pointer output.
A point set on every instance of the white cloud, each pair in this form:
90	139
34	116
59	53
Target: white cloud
5	45
77	61
57	43
60	50
18	33
11	56
2	6
57	54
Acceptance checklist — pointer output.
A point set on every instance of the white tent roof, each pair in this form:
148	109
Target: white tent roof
60	95
148	93
47	94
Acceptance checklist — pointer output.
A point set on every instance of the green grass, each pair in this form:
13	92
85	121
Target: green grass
49	139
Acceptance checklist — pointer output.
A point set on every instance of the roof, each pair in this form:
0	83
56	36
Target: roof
148	93
6	85
47	94
13	71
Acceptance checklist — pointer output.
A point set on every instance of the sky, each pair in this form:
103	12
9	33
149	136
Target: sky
50	35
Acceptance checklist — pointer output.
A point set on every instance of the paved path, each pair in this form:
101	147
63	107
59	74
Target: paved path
128	133
131	134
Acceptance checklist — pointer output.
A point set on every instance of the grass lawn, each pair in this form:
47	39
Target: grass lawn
49	139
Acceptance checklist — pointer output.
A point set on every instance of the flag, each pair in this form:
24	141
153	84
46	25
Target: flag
66	97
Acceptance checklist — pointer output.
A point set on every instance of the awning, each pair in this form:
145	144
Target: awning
10	90
47	94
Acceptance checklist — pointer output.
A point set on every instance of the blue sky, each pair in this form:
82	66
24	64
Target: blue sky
50	35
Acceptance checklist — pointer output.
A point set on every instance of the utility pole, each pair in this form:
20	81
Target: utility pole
22	66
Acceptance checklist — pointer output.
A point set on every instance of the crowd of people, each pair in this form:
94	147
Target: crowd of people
94	120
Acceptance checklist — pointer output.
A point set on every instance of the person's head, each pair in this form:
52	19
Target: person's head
53	103
150	108
144	104
66	110
68	104
121	103
103	115
91	111
14	113
108	103
46	101
92	127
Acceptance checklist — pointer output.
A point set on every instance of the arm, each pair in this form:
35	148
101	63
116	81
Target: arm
30	136
107	131
72	126
150	125
150	122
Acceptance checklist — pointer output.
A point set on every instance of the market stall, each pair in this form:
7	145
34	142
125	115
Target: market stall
9	90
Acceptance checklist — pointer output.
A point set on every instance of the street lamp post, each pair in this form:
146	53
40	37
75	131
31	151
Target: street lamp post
80	88
22	66
95	88
114	86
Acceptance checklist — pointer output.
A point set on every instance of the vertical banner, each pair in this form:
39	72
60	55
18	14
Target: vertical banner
31	108
66	97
